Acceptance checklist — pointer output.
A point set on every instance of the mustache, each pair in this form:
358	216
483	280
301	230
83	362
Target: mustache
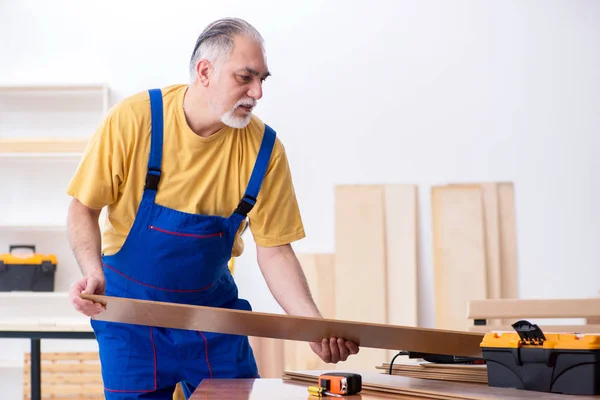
246	102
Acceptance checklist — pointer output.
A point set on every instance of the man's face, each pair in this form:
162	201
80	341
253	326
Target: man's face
238	84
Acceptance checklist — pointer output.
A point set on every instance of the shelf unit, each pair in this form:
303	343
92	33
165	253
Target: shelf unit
41	126
44	129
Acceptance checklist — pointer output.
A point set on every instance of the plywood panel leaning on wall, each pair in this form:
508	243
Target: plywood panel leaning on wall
375	246
459	253
360	273
508	241
318	269
491	218
401	231
501	241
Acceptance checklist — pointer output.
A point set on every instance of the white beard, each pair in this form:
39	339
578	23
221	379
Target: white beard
230	119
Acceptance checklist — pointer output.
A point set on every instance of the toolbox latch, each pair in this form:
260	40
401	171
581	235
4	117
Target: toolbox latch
47	266
529	333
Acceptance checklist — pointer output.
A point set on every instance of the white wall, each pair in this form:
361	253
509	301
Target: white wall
386	91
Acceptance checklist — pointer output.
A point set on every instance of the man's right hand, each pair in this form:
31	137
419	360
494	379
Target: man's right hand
93	284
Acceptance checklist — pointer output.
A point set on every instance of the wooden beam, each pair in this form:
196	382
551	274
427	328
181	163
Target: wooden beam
534	308
279	326
544	328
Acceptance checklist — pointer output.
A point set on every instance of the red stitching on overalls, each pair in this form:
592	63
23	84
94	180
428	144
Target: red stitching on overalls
155	228
155	373
154	287
206	352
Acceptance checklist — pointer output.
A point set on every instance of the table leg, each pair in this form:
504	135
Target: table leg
36	370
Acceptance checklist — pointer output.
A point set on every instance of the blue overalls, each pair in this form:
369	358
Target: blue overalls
177	257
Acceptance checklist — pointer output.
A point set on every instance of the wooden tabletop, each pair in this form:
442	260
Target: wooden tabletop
247	389
285	389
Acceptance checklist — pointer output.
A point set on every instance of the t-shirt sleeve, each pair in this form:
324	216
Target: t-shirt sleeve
275	219
100	172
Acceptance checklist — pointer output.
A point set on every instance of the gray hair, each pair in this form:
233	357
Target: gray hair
216	41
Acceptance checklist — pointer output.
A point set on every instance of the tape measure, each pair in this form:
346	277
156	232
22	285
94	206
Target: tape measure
337	384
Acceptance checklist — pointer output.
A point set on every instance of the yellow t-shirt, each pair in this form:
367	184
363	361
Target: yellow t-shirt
199	175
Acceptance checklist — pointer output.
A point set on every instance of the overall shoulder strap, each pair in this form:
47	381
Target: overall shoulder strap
156	141
258	173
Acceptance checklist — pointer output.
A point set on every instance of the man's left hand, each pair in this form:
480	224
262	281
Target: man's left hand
334	350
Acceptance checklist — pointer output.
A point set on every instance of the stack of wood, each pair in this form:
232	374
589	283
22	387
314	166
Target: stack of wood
418	368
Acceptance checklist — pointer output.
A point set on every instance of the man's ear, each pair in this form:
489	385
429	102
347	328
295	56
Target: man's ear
204	71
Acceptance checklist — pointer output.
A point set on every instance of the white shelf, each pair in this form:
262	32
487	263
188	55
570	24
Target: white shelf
69	87
29	228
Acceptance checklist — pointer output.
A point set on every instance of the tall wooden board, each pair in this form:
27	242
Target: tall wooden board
360	262
459	255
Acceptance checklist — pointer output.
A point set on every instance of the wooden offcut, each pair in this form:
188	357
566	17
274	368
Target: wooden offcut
459	257
279	326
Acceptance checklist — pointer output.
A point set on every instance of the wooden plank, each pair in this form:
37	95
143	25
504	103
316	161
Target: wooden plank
69	390
459	254
70	368
360	265
508	241
534	308
279	326
544	328
67	356
401	232
491	215
72	378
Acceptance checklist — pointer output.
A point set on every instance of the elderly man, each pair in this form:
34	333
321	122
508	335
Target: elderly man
179	170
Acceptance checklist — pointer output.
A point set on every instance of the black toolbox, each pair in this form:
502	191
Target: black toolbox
33	273
530	359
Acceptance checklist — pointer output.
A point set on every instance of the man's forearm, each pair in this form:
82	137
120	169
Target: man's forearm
84	237
286	281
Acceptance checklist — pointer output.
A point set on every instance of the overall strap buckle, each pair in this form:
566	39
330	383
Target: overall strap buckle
152	179
245	205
